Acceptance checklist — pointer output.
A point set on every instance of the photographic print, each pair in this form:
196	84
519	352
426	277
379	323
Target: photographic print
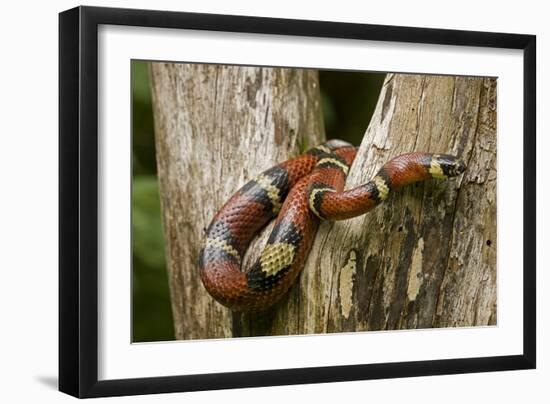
249	201
272	201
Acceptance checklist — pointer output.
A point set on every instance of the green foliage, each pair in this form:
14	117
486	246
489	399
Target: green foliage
152	319
151	310
328	110
303	146
140	82
148	241
143	140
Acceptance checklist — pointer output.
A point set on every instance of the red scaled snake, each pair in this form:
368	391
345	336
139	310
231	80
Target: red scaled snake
299	192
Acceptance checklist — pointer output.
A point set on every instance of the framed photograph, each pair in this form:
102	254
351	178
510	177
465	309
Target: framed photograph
251	201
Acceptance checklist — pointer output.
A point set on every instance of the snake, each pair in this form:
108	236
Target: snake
298	193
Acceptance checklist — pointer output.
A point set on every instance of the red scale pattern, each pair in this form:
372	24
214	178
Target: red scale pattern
402	170
244	218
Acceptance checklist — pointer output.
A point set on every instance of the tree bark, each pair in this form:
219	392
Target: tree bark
425	258
216	127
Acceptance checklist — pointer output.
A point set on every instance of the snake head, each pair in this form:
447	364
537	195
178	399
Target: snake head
451	166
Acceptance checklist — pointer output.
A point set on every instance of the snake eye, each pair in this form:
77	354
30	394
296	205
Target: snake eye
460	167
451	165
455	166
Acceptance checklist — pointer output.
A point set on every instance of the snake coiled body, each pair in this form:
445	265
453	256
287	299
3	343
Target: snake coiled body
298	192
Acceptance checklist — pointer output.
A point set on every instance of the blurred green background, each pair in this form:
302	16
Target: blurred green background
348	100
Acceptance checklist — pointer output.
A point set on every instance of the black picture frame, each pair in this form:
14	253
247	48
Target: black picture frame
78	200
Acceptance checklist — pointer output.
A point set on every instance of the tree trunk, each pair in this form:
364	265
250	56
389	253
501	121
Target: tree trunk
216	127
425	258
